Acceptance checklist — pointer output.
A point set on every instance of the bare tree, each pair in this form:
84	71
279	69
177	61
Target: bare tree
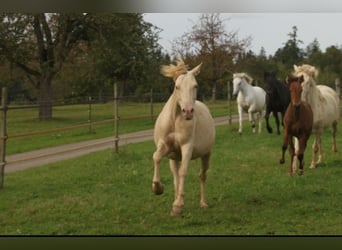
210	42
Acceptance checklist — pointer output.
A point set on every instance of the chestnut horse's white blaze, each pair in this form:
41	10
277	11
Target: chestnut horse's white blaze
325	104
184	130
251	99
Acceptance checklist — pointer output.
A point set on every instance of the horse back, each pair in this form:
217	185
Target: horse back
329	104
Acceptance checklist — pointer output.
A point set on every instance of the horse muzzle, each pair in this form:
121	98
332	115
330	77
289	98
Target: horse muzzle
188	113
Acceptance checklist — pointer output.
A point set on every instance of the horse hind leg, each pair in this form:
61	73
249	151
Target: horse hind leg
203	177
275	114
259	115
268	126
315	148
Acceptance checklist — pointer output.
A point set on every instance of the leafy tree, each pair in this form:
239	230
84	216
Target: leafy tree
123	47
313	53
39	44
291	53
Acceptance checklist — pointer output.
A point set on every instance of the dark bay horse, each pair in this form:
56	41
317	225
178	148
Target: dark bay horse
298	122
277	99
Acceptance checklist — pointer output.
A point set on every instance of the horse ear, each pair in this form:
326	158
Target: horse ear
195	71
287	80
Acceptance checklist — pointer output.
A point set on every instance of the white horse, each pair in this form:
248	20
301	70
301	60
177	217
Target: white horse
325	104
250	99
184	130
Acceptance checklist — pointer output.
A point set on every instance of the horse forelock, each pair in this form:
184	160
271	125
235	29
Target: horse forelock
174	71
243	76
306	69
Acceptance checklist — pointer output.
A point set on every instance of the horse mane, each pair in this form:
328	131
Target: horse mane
243	75
307	69
174	71
312	73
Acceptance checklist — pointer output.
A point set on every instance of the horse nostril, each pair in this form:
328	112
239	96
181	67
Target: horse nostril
192	110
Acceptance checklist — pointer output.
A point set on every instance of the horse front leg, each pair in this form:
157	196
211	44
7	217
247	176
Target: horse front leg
240	119
300	153
157	186
267	116
296	150
203	177
292	155
178	203
174	166
251	120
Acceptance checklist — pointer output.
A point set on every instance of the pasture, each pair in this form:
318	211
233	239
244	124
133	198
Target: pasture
248	193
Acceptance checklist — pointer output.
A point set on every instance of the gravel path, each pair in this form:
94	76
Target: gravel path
36	158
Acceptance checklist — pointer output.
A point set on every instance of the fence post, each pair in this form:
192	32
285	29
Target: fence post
116	119
89	115
338	87
3	135
151	104
229	104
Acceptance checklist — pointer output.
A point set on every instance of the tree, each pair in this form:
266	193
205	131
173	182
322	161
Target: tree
123	47
291	53
39	44
210	43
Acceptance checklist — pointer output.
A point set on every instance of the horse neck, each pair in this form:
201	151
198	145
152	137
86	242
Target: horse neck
314	99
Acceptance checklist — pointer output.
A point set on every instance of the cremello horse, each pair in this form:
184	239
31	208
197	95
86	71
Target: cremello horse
324	102
184	130
250	99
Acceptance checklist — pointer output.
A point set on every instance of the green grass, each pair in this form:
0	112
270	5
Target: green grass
25	121
248	193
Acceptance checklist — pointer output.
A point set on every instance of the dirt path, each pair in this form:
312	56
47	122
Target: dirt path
36	158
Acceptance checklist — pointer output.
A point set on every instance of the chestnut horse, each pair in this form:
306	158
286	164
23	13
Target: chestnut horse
184	130
298	122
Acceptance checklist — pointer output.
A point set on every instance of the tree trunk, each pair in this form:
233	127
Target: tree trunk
45	98
213	92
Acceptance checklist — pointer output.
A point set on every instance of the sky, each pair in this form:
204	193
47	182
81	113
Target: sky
268	30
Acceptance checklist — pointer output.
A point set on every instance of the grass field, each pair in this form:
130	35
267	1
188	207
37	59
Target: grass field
248	193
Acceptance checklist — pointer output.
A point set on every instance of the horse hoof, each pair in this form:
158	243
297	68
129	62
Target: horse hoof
281	161
300	172
176	211
157	188
203	204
